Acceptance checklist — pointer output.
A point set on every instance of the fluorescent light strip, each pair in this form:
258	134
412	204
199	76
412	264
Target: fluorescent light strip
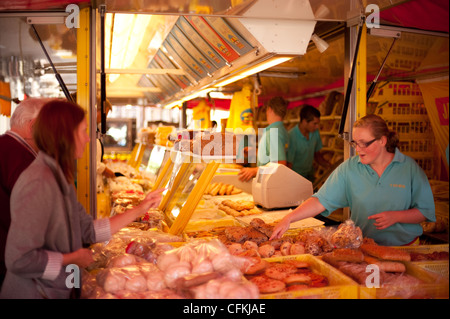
258	68
128	33
188	98
220	95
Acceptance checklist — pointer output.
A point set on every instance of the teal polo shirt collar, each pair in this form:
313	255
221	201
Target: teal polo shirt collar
398	157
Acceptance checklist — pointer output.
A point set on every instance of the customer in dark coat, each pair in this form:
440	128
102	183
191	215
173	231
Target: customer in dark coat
17	151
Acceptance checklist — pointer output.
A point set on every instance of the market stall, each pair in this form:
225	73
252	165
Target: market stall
210	236
210	239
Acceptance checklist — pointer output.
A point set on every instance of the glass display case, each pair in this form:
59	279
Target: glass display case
186	177
153	160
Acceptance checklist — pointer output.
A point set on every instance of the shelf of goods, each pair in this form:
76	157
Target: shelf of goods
402	106
429	257
333	146
207	239
439	230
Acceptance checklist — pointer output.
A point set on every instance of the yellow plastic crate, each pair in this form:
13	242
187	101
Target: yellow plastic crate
434	286
419	148
403	109
437	266
341	286
398	91
424	249
411	129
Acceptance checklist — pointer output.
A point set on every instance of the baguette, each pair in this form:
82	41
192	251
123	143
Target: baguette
346	254
216	189
210	188
229	189
385	253
223	189
236	191
385	265
239	205
230	211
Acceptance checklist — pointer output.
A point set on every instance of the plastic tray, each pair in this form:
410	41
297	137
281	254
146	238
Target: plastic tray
433	286
439	267
341	286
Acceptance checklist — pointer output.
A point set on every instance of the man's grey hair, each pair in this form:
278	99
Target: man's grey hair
27	111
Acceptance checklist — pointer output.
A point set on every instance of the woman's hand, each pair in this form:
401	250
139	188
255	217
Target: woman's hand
82	258
384	220
280	228
152	199
119	221
309	208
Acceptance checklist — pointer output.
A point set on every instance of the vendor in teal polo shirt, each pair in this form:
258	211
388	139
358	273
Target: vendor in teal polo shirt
273	143
388	193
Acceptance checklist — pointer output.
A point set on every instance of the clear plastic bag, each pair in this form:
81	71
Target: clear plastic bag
347	235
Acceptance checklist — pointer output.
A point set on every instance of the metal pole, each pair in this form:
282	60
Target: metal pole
350	82
102	9
57	75
374	82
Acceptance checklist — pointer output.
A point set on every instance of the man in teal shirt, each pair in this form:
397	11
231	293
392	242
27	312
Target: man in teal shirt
305	143
274	139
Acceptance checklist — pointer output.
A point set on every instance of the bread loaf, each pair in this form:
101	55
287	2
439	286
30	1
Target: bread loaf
385	253
385	265
346	254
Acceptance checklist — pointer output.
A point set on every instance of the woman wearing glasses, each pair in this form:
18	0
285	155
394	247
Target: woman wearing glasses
388	193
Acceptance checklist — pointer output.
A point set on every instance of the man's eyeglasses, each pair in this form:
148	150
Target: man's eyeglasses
362	144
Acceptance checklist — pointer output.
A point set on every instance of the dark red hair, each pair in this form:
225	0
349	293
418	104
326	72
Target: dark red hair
54	133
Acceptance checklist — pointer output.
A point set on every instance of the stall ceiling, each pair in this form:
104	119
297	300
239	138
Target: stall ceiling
303	75
165	38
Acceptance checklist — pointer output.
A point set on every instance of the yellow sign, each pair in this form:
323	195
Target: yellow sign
435	95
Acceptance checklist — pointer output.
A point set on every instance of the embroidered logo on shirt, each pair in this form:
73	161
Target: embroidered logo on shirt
397	185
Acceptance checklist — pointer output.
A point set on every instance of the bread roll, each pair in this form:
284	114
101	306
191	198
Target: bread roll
297	279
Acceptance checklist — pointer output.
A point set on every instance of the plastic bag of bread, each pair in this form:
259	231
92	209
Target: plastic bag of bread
137	277
147	250
226	288
197	263
112	280
347	236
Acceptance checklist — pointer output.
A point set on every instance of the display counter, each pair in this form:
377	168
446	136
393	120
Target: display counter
209	239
